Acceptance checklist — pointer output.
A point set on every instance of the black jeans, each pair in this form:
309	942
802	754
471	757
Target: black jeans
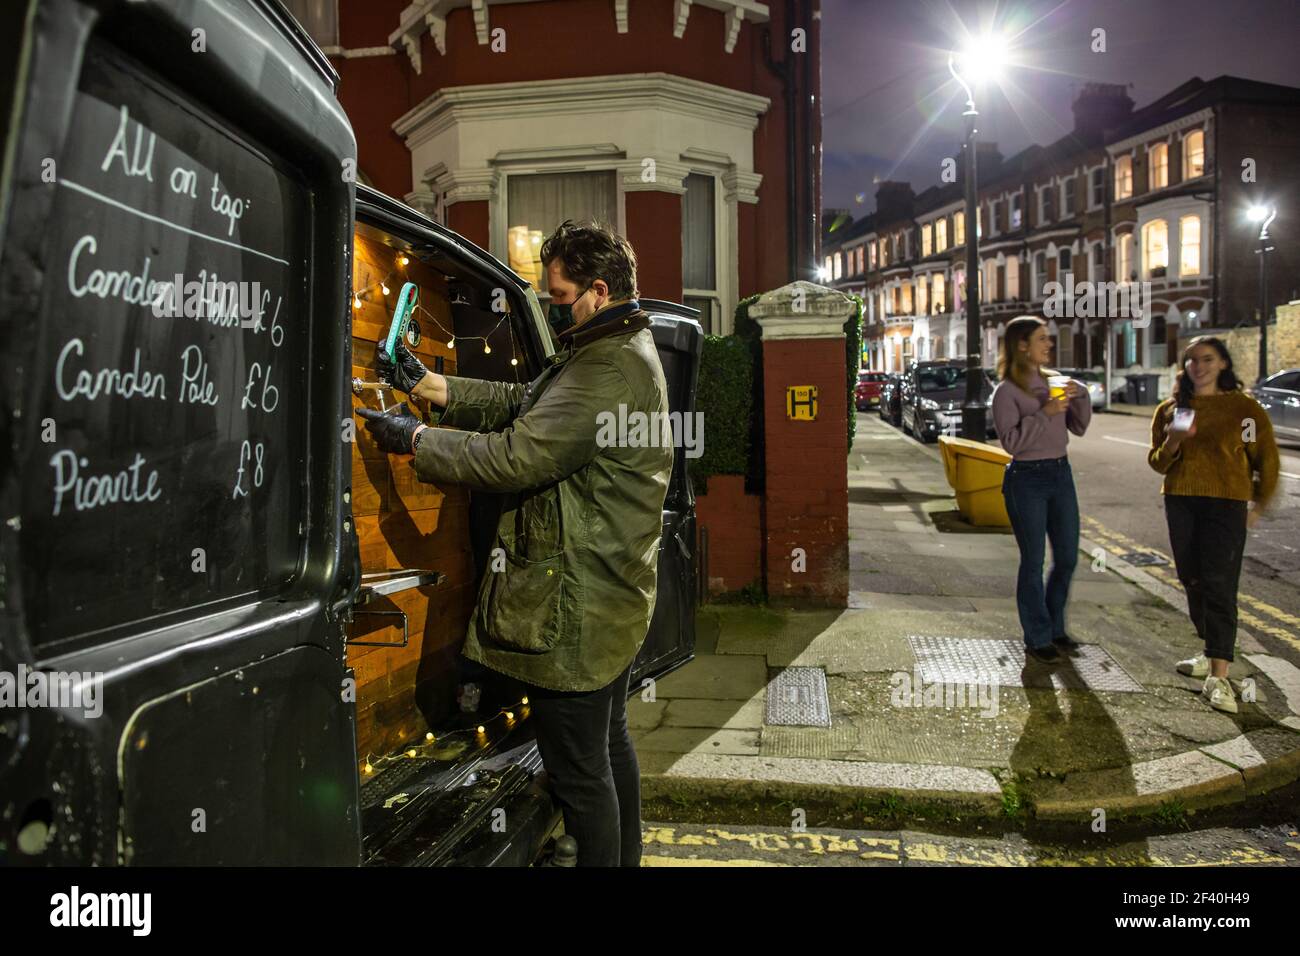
583	739
1208	538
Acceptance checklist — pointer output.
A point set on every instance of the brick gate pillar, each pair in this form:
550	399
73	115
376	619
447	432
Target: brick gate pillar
806	506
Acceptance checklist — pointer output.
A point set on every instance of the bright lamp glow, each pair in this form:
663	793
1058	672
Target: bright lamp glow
982	59
1257	213
823	273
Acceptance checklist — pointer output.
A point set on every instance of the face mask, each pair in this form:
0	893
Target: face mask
561	316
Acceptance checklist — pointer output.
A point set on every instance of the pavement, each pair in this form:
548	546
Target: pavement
932	716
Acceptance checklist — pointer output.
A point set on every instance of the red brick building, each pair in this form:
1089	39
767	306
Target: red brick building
692	126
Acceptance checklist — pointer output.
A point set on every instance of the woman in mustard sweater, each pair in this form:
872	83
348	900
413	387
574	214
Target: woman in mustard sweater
1215	461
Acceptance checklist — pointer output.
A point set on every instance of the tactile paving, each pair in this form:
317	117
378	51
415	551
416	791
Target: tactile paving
958	660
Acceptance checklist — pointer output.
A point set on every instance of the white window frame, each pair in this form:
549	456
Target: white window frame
1126	191
1124	256
1142	246
721	295
1188	134
1182	221
1096	194
1151	166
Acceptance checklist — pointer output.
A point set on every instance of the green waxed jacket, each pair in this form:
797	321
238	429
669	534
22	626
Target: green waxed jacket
566	602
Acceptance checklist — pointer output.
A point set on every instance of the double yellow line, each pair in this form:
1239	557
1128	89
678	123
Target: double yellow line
1274	621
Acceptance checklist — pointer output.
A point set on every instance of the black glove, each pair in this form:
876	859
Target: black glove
404	373
393	429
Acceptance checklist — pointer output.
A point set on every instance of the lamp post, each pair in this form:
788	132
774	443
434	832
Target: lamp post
1264	216
980	60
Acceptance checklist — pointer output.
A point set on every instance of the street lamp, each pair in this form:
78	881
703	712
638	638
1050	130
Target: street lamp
1264	215
981	61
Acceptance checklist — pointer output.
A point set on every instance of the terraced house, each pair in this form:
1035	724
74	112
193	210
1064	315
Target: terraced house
1155	195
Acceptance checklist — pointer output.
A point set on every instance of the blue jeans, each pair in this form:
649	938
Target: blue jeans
1042	504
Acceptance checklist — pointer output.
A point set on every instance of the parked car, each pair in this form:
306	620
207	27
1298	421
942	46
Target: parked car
1093	380
890	394
867	392
1280	396
932	397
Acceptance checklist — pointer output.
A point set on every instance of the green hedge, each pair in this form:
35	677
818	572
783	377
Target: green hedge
853	355
730	397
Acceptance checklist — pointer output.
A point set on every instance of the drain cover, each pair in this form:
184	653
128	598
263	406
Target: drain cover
796	697
1143	559
959	660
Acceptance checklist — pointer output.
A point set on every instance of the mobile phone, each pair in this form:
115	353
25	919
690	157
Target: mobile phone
1183	418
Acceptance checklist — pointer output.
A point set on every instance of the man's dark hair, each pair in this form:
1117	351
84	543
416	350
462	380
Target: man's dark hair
589	251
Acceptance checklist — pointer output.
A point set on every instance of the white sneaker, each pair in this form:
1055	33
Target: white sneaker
1218	692
1198	666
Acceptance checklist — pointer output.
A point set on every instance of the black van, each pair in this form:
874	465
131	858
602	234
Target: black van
180	570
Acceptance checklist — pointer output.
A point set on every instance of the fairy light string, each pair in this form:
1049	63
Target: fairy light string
358	296
417	751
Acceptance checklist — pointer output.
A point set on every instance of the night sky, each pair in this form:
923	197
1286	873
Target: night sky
892	110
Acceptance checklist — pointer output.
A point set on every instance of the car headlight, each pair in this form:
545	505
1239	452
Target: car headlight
929	404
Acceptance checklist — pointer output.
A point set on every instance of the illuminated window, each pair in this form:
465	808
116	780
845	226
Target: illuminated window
871	254
1155	247
1189	245
922	295
1124	177
1013	279
861	260
1158	160
1124	258
1194	154
839	266
907	298
937	296
884	254
958	228
536	204
941	234
927	242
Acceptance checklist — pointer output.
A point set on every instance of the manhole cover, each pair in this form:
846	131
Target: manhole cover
796	697
959	660
1143	559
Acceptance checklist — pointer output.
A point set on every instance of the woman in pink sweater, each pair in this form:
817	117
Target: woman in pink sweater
1038	486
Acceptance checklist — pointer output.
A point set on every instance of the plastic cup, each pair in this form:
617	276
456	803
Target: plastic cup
1056	385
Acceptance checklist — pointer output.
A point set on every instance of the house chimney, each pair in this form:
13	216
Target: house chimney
894	200
1101	106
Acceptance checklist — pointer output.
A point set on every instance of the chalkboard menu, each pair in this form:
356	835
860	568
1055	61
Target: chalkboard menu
166	406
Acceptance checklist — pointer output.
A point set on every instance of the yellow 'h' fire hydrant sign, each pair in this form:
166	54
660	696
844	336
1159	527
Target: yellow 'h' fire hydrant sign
801	402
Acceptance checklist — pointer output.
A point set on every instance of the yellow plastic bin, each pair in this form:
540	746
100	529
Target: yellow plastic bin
975	471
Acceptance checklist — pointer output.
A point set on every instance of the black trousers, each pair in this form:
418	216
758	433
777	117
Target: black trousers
583	739
1208	538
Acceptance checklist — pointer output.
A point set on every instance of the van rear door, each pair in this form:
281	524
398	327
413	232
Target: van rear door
177	551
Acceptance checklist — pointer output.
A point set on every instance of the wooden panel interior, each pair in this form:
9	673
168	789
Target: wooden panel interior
404	523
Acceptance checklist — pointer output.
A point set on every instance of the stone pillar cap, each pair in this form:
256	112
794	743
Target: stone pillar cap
802	310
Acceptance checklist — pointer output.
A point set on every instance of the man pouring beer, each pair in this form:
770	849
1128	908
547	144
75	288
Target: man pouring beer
579	529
